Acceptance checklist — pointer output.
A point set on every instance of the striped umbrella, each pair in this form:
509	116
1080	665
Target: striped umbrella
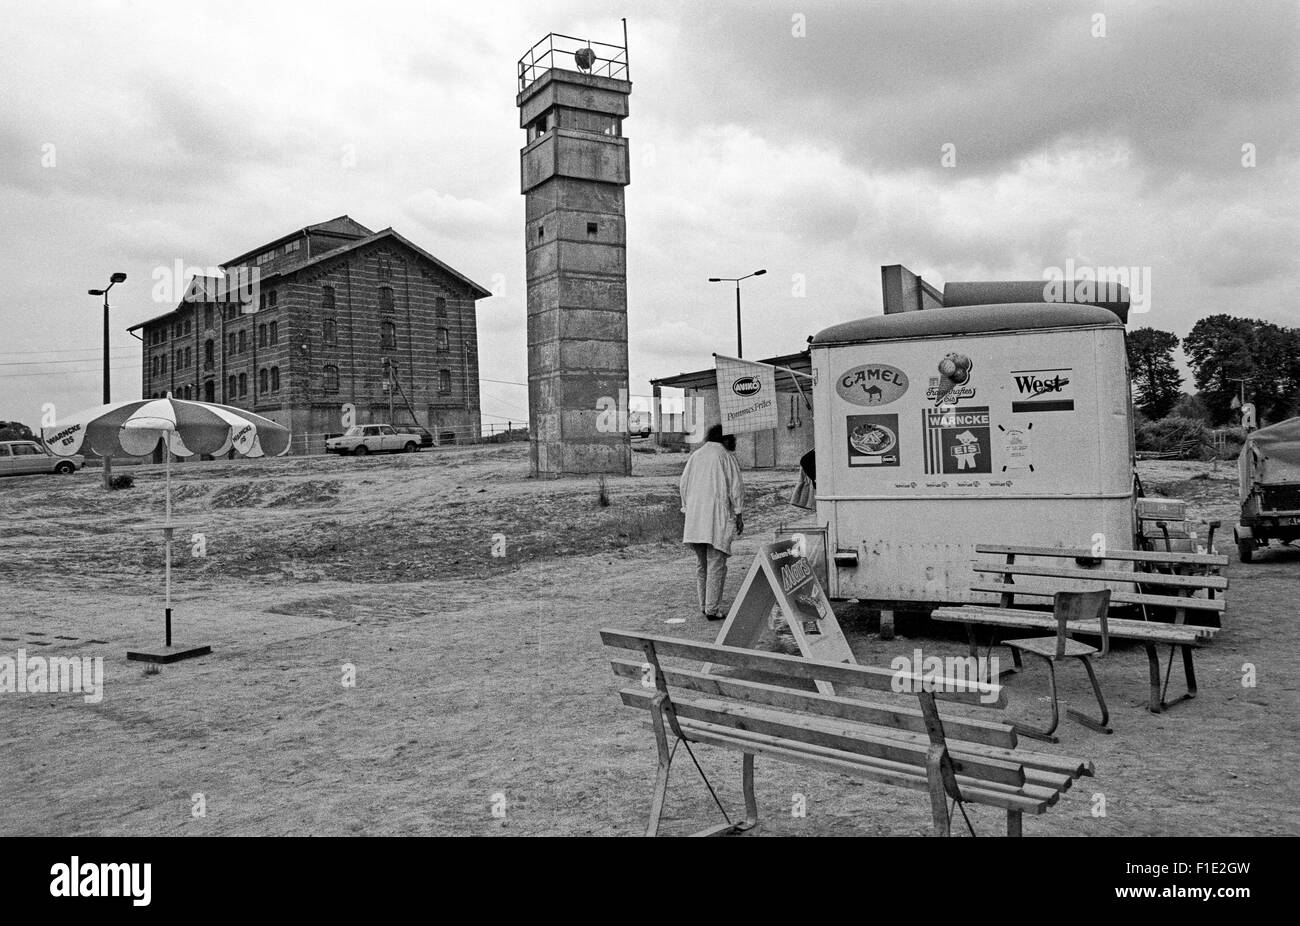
135	429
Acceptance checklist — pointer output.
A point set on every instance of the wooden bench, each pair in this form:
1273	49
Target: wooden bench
893	739
1153	592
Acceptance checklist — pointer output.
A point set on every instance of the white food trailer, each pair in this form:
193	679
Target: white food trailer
940	429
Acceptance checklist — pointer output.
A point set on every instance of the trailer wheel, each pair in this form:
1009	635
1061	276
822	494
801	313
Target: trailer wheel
1246	550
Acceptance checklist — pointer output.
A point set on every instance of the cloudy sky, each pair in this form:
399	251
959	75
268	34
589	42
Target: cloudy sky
807	138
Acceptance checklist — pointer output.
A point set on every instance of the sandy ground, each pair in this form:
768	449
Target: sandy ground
481	680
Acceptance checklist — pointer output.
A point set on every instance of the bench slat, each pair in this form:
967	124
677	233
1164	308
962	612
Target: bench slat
1139	556
1120	627
882	715
1160	601
1139	631
880	770
846	736
1104	575
794	666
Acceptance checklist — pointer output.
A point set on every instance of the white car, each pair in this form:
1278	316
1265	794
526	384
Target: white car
373	438
20	457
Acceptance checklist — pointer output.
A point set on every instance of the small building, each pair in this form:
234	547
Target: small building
328	316
779	447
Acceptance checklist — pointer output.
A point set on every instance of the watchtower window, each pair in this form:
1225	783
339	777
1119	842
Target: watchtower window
591	228
541	125
586	121
541	233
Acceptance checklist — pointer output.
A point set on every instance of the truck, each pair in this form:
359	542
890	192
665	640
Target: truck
1269	473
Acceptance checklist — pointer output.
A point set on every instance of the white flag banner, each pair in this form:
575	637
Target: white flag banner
746	395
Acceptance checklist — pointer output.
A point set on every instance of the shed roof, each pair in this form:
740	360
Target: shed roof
977	319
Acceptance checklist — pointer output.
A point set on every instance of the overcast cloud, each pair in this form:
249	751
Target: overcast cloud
196	131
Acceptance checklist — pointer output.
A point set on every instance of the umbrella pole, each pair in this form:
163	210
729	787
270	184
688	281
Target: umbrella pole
167	450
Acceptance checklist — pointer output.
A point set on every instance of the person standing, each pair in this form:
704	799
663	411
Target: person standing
713	497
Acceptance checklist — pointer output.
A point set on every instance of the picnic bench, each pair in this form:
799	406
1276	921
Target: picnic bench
756	702
1153	593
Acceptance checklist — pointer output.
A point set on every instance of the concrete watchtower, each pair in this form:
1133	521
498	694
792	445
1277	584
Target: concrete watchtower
573	97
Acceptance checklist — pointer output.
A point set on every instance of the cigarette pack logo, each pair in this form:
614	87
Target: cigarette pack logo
953	382
957	440
1043	390
872	384
746	386
873	440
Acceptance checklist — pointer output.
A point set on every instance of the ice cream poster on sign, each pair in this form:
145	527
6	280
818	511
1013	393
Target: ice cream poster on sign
873	440
953	382
957	440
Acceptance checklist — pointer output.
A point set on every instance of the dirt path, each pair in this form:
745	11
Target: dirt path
481	676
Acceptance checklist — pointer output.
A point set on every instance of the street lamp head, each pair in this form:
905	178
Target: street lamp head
95	292
759	273
117	278
715	279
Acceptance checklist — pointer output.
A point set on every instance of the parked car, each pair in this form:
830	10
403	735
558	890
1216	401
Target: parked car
19	457
426	438
374	438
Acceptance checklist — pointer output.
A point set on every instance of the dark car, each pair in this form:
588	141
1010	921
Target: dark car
426	439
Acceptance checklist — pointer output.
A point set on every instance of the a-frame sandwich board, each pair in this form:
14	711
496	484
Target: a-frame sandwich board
781	577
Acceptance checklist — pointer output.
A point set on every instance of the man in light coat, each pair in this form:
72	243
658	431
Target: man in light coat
713	497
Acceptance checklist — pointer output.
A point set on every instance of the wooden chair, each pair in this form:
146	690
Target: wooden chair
1069	607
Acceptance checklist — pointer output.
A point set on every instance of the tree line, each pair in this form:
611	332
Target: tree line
1222	351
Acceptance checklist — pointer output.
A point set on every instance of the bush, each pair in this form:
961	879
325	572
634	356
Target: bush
121	482
1172	434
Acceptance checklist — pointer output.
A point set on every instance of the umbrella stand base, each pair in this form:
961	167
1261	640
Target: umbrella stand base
168	654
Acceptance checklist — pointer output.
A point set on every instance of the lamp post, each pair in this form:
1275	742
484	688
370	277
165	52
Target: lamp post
115	278
740	350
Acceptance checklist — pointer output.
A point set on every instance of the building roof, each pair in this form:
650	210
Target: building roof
343	226
800	362
976	319
213	285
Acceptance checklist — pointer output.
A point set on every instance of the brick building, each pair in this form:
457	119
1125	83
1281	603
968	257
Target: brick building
337	312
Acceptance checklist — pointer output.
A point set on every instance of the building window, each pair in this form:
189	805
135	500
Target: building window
327	298
230	343
388	336
330	332
291	247
265	257
231	384
189	357
207	316
541	233
162	335
243	341
271	298
164	363
261	335
262	380
209	391
275	379
444	381
207	353
243	384
331	379
275	333
188	327
444	340
440	306
385	299
592	228
385	267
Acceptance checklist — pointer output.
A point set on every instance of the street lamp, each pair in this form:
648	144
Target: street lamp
757	273
115	278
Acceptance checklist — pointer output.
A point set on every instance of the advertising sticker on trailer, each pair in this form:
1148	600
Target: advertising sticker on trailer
873	440
957	440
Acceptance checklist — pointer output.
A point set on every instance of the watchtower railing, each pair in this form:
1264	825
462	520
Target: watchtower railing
558	51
